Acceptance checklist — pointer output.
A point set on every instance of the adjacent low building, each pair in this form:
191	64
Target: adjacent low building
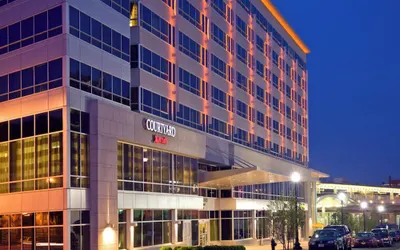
136	124
383	202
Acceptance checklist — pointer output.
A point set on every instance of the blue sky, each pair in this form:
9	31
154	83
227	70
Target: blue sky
354	85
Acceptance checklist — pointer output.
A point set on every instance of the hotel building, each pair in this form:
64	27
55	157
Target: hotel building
136	124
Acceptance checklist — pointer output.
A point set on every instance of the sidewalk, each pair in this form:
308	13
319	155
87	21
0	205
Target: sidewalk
267	246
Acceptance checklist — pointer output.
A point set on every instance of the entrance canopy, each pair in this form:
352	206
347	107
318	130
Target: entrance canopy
244	176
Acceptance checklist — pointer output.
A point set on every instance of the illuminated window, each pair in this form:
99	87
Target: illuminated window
134	15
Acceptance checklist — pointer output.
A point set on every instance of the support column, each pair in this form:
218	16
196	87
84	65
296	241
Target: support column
129	229
103	177
174	218
254	225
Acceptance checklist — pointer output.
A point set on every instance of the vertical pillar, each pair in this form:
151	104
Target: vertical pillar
129	229
103	177
254	225
174	234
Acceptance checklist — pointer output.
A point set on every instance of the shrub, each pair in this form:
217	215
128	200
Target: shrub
166	248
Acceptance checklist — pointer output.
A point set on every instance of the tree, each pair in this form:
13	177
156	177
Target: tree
283	220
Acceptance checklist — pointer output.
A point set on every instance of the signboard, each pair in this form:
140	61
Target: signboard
159	127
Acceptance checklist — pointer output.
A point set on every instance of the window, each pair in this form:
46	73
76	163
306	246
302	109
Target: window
155	64
189	117
288	112
193	15
260	94
31	80
242	224
94	81
275	57
223	10
156	221
219	128
34	155
221	38
243	83
221	99
268	122
31	30
246	5
88	29
275	103
288	91
193	84
260	44
260	69
242	137
221	68
193	49
155	104
275	127
156	25
267	98
121	6
260	118
80	229
80	124
288	133
243	110
241	26
241	54
170	3
34	229
275	81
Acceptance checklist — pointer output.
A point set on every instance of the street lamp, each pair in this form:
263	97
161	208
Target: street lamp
381	209
295	178
364	205
342	198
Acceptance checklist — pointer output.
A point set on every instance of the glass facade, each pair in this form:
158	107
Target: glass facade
79	146
154	227
42	230
31	80
149	170
31	30
80	230
98	34
31	152
97	82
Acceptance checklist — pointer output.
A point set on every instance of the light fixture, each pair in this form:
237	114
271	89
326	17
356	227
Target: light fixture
295	177
381	208
364	205
145	159
342	196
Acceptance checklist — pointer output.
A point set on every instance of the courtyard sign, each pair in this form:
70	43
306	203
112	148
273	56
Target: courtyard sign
159	127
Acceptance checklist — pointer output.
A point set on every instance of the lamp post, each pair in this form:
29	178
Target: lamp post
364	206
295	177
381	209
342	198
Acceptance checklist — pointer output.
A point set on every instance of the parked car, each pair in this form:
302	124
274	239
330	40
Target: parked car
379	239
365	239
384	235
345	233
398	235
329	239
392	235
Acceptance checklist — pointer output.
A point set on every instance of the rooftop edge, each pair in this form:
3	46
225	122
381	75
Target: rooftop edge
274	11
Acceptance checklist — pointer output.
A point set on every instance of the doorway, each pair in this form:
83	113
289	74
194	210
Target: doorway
203	233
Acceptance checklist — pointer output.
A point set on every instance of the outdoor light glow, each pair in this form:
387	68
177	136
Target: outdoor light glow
295	177
381	208
342	196
108	236
364	205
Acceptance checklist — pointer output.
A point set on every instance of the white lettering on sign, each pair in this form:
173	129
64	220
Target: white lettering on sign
160	128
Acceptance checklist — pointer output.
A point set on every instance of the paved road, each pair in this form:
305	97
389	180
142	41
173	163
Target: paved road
395	246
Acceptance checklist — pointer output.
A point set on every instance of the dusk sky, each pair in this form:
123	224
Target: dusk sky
354	85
